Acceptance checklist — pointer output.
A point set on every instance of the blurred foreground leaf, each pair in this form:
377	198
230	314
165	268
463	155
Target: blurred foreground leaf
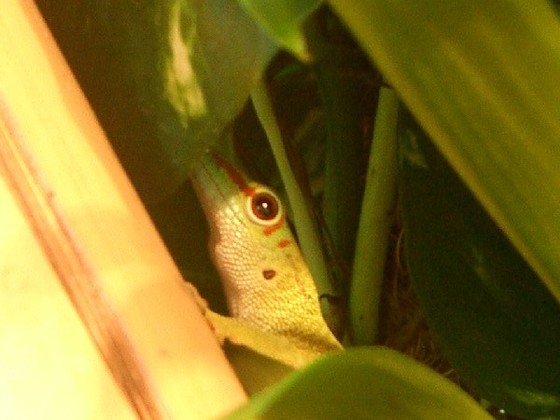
363	383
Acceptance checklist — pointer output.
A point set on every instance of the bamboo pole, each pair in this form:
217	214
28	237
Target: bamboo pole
95	320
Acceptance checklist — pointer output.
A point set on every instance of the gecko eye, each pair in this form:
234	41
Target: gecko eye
264	207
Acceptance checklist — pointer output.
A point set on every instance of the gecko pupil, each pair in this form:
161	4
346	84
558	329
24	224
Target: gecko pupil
264	206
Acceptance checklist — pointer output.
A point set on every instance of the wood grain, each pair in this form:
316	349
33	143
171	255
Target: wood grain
89	292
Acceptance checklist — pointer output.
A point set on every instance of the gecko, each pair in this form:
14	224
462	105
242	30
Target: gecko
266	281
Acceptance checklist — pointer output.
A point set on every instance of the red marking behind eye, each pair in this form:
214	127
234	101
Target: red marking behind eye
284	243
269	230
234	175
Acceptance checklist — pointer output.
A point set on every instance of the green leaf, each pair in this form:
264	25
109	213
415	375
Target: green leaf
482	79
283	19
164	78
363	383
496	322
215	54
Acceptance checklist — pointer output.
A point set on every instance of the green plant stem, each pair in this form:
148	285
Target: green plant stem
303	217
375	222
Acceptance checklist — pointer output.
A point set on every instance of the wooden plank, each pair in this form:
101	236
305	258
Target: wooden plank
48	362
85	227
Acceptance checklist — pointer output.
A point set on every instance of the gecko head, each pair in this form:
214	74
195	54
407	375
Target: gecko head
232	202
251	242
265	278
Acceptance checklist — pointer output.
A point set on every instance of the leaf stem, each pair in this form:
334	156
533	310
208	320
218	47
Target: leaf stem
303	216
375	222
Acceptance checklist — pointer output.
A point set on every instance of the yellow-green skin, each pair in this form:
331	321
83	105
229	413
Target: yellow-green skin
266	281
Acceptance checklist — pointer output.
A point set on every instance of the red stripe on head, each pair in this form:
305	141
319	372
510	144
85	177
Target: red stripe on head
236	177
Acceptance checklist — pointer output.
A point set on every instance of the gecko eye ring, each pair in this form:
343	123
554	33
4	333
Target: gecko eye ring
264	208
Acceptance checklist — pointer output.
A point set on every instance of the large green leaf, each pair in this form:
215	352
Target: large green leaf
482	79
164	78
373	383
497	323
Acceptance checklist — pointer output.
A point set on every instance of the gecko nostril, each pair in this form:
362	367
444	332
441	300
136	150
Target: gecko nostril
269	274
